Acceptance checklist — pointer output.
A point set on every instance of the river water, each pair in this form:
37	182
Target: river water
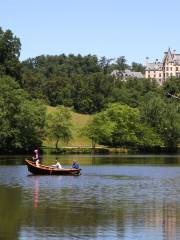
116	197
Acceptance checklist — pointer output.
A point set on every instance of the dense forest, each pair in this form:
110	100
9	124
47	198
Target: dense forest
145	114
81	82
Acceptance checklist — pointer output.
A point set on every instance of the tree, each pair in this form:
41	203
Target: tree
99	130
165	118
33	83
9	54
21	120
147	138
120	125
172	87
58	126
137	67
121	63
30	121
129	131
104	64
82	82
133	91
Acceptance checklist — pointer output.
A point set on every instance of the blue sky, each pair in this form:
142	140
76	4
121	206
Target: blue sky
112	28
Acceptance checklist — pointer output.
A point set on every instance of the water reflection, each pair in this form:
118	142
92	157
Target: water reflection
91	159
36	191
128	221
170	219
108	201
10	206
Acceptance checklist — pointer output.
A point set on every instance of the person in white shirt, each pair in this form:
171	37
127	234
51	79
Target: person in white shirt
37	163
57	165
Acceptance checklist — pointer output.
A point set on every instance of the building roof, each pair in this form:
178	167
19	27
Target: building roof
127	73
172	57
169	57
157	66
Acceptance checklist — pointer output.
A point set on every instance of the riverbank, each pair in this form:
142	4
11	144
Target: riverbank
85	150
82	144
103	150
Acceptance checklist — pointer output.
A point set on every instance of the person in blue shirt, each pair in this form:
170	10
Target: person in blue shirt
75	165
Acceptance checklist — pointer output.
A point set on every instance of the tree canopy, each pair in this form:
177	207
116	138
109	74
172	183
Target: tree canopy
58	126
120	125
21	120
82	82
10	47
164	116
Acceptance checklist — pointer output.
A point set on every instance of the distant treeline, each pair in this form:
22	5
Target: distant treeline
85	84
81	82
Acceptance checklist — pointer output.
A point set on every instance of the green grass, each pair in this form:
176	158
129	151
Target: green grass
78	122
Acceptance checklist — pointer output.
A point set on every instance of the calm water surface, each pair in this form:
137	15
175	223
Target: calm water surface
116	197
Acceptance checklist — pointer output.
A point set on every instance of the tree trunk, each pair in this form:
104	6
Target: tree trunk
93	145
57	144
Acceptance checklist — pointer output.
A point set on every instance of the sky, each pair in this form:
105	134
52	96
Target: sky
111	28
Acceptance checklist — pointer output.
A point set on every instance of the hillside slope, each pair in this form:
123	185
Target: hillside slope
78	121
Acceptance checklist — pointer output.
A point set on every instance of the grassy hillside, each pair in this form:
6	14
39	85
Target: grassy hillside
78	121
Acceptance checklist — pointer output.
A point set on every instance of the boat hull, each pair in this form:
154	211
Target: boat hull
46	170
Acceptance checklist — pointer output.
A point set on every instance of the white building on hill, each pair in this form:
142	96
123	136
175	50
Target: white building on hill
161	71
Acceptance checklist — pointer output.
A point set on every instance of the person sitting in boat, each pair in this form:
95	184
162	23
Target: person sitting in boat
75	165
37	163
57	165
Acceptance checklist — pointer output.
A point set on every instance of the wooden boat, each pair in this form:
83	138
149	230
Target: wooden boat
48	170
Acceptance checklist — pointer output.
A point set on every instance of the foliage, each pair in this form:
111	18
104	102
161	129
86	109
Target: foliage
58	125
33	84
165	118
137	67
121	63
172	86
21	120
9	54
82	82
147	138
133	91
120	125
78	121
105	63
99	130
